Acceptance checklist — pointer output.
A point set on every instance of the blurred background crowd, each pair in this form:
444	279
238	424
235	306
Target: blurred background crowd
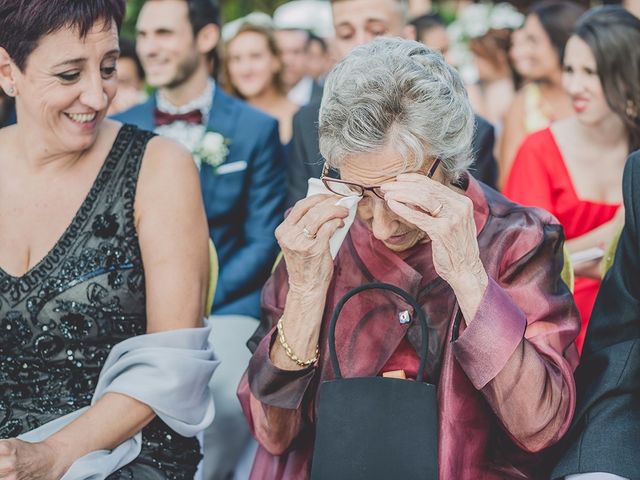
522	75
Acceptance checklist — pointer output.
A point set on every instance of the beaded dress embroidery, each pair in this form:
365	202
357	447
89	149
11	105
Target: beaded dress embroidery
59	321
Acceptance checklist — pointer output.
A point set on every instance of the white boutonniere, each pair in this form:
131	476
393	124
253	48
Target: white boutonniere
212	150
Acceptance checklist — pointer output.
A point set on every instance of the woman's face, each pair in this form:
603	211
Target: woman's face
376	169
519	53
251	64
128	76
66	87
538	53
581	81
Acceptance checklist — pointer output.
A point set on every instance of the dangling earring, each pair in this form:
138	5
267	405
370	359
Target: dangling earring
631	110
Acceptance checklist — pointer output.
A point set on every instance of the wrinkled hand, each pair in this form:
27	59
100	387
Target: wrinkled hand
304	239
29	461
446	217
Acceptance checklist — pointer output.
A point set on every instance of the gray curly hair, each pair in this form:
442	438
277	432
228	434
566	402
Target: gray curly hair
397	92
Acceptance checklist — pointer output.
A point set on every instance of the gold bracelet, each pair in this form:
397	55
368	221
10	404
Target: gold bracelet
289	352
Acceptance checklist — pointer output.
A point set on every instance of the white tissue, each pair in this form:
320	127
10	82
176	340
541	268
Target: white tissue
316	187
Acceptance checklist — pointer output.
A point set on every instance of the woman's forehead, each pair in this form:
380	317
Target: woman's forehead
375	167
66	44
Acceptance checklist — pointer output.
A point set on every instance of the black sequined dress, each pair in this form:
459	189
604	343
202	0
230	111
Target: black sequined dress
59	321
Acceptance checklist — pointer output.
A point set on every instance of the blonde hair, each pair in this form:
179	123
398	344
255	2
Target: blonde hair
267	33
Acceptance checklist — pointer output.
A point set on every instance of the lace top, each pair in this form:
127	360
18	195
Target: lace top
59	321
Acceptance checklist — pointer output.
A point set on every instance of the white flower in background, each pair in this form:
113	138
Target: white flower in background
312	15
503	15
478	18
258	19
213	149
455	31
475	21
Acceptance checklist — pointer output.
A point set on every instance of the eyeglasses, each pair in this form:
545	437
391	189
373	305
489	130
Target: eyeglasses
347	189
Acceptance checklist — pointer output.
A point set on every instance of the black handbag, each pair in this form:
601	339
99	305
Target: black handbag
374	428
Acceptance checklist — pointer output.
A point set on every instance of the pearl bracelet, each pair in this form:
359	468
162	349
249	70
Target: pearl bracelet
289	352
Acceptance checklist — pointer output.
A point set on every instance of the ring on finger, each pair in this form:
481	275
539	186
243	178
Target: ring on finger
308	234
437	210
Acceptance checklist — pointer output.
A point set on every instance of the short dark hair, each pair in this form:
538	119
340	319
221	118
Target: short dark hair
558	18
24	22
613	36
313	38
427	22
128	50
202	13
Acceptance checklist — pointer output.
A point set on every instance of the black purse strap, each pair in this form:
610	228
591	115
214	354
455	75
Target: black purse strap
380	286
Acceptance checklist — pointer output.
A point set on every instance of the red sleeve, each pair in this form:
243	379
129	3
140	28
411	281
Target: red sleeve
529	181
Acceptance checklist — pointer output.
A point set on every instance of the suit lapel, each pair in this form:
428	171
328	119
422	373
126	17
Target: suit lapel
222	119
222	115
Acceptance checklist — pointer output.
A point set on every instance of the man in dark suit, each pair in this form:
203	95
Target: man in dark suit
605	435
358	22
243	185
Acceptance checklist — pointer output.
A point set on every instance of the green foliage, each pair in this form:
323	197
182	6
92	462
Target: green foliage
231	9
129	25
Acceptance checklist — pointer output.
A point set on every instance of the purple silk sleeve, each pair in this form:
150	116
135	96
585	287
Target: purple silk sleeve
505	381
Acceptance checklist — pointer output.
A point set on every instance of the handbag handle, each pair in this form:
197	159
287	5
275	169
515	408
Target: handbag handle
380	286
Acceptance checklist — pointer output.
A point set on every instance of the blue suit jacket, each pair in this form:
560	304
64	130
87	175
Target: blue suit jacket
243	206
10	118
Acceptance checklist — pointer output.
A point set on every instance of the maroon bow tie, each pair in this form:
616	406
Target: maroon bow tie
164	118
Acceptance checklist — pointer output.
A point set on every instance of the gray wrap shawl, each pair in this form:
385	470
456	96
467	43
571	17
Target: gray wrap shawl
168	371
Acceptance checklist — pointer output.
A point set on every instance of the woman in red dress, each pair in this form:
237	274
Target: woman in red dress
574	168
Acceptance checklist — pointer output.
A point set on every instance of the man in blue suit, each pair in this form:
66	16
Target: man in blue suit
243	184
244	196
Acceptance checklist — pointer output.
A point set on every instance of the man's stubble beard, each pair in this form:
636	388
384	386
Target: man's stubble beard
185	71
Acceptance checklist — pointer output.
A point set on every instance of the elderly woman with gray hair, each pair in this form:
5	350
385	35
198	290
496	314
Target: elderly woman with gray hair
396	126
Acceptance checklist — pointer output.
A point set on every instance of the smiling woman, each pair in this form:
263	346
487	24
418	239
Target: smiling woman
252	70
542	100
574	168
47	68
92	214
64	100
